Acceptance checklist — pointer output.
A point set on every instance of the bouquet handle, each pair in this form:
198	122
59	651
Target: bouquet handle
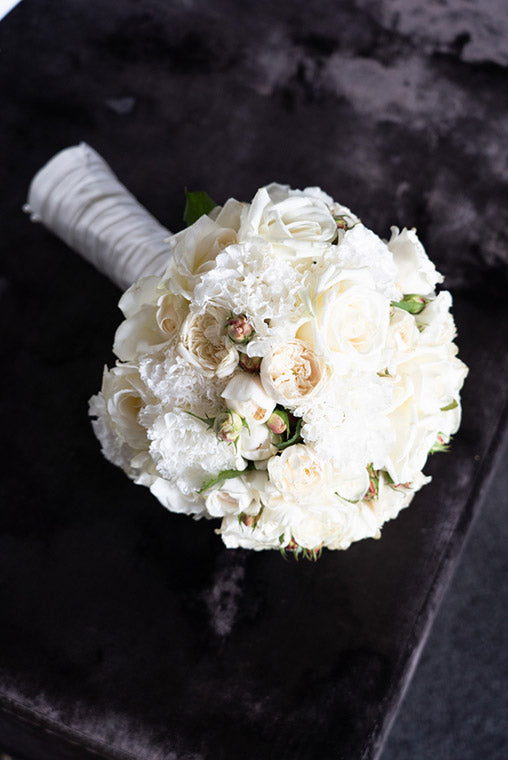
77	196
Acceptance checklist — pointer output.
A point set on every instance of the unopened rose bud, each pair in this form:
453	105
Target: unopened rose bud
250	363
373	489
239	330
413	303
341	222
278	422
440	444
228	426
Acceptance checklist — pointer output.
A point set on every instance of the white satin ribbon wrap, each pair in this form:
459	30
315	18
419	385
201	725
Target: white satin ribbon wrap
77	196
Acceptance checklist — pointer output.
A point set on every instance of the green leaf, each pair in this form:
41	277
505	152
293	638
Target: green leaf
294	438
197	203
206	420
351	501
220	478
453	405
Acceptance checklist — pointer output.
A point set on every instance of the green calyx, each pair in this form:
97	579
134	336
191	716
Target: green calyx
412	302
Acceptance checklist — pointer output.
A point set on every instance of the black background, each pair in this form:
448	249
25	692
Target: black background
134	632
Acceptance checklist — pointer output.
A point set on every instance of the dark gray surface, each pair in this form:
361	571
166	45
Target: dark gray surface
456	707
107	639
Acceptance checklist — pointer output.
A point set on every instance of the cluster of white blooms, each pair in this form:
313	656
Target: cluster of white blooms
289	374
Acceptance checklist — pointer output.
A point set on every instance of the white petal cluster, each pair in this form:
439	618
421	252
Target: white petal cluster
284	314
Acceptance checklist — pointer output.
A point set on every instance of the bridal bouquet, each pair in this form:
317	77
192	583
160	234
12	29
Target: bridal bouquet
289	372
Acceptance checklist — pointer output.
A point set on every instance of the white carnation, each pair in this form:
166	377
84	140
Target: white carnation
186	453
248	279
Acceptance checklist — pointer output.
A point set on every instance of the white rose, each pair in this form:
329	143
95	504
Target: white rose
350	324
413	439
228	215
415	271
194	252
245	395
437	377
204	344
124	395
292	373
153	317
278	193
265	534
293	219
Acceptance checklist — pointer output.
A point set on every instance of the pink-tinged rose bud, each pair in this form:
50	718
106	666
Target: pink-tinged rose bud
373	489
250	364
277	423
228	426
239	330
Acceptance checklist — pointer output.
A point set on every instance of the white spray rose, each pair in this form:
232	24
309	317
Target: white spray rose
205	344
350	482
299	475
237	495
246	396
256	443
292	372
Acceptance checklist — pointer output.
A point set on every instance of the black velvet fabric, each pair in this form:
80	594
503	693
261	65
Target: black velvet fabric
130	632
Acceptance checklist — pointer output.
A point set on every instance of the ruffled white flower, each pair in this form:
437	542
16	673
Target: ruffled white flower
348	423
362	249
436	323
175	382
248	280
187	453
415	271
